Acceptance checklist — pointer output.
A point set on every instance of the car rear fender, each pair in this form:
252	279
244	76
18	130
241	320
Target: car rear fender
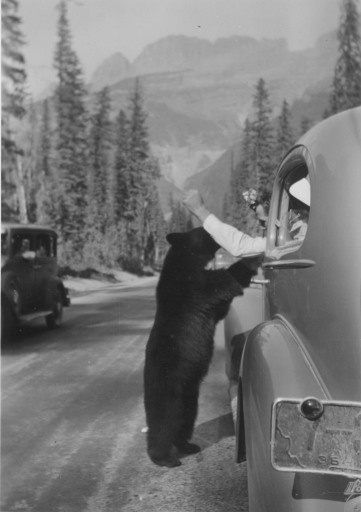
274	364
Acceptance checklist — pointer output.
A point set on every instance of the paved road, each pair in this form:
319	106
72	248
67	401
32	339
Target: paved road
72	415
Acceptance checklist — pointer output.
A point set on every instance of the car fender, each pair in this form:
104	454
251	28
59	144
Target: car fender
56	284
7	293
275	364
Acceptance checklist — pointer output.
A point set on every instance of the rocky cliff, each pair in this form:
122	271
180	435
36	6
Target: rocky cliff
198	93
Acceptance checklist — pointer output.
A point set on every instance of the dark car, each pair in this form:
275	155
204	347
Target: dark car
299	395
30	287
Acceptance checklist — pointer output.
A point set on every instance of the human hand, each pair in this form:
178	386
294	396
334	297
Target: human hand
193	201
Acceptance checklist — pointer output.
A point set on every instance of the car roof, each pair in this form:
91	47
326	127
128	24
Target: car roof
340	131
334	146
31	227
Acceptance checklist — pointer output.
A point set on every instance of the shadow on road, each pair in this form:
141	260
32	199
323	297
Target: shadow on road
213	431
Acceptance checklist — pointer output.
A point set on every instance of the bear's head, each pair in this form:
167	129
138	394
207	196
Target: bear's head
196	242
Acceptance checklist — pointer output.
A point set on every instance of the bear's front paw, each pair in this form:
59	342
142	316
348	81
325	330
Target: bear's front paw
187	448
169	462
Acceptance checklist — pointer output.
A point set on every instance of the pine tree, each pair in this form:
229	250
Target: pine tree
138	141
141	173
179	220
247	178
262	139
121	167
234	208
13	62
346	86
30	175
306	124
100	176
13	97
234	195
284	132
71	146
155	229
137	155
246	165
46	197
45	142
226	213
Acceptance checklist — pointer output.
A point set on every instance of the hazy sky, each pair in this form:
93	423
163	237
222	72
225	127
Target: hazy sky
101	28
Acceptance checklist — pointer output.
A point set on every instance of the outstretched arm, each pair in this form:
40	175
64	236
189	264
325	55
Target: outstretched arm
231	239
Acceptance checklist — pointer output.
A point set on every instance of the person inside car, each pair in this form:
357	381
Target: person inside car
25	247
40	251
300	199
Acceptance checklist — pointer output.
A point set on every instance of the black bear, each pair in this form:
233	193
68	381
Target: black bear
190	301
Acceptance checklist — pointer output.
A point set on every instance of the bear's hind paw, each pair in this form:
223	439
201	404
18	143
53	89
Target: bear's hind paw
188	448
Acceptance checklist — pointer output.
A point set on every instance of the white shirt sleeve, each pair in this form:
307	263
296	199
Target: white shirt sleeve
232	240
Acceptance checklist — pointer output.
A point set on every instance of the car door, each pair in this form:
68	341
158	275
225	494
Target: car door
23	268
45	266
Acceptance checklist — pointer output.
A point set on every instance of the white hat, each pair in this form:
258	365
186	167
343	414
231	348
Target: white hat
301	190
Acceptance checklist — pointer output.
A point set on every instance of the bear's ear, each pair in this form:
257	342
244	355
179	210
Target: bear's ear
174	238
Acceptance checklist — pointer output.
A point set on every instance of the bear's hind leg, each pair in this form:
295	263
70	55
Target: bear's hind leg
161	427
190	409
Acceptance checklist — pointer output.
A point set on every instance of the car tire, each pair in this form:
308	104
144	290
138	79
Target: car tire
5	322
55	319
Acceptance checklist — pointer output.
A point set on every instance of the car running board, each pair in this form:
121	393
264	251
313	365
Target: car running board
32	316
288	264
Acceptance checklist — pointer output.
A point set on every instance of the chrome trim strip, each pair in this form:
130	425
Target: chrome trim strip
280	264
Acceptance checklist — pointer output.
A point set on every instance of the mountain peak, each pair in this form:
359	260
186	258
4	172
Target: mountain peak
111	70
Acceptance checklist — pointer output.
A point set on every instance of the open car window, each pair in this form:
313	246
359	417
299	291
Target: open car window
294	208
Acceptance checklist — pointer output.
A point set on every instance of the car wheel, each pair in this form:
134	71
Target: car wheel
5	322
54	320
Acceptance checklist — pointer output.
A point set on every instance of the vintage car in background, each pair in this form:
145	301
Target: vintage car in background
299	388
30	287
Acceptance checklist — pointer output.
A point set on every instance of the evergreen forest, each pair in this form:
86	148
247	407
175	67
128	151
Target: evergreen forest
89	173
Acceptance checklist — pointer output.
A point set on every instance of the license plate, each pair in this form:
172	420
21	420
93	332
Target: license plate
330	444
